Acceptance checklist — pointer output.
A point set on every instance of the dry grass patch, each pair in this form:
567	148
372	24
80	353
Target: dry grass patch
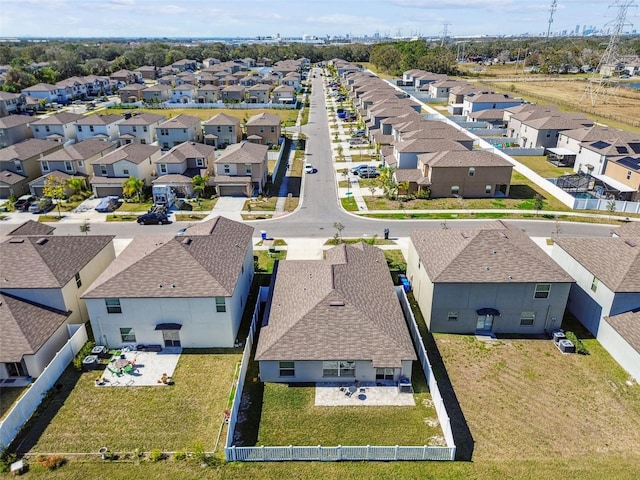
8	396
523	399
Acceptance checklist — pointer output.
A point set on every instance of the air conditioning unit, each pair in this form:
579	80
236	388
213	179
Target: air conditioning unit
558	335
566	346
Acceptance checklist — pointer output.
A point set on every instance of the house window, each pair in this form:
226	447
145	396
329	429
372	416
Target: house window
134	128
91	128
273	129
472	171
125	170
221	306
163	168
220	129
18	165
78	280
230	129
628	174
384	373
144	128
455	189
79	128
103	170
68	166
45	166
80	163
287	369
542	290
164	131
452	317
127	335
527	319
261	129
594	284
247	168
487	189
113	305
199	162
342	368
165	145
143	141
227	169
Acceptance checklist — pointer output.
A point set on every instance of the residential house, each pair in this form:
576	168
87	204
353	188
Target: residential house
606	295
131	93
264	128
131	160
142	298
540	126
240	167
11	103
181	128
19	165
442	88
140	128
291	79
456	97
70	89
406	153
492	279
185	65
233	94
42	91
125	77
103	127
185	93
474	102
177	167
54	270
70	161
284	94
335	320
208	93
259	93
14	129
60	127
624	172
222	130
148	72
32	334
156	94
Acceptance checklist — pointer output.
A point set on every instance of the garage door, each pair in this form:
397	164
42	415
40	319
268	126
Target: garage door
233	190
106	191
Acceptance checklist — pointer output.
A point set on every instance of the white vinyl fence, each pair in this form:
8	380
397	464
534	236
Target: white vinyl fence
341	453
27	404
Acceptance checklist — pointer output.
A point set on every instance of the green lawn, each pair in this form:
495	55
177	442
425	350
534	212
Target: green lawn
188	217
124	419
122	217
8	396
263	204
267	260
396	260
542	167
349	204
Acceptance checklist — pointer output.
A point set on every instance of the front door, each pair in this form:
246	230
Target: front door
171	338
484	323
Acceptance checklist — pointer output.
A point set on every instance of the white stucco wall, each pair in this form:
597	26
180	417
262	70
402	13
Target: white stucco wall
619	349
37	362
311	372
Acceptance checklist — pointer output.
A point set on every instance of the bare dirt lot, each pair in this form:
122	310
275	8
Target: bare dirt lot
525	400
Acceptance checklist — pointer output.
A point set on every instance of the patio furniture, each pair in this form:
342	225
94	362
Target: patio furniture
128	369
114	372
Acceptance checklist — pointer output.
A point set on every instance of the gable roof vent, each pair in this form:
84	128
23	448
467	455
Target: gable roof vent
186	241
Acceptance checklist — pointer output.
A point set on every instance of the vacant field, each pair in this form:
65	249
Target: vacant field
83	418
523	399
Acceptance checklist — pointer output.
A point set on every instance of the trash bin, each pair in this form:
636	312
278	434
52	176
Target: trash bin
263	234
386	234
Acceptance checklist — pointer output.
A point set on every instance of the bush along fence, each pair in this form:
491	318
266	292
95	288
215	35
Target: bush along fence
340	452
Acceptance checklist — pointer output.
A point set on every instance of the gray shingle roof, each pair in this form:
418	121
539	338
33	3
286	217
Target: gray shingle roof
143	119
464	158
181	121
628	326
222	119
27	262
210	256
266	119
131	152
614	261
341	308
25	327
631	229
100	119
61	118
79	151
243	152
11	121
27	149
491	254
31	227
185	150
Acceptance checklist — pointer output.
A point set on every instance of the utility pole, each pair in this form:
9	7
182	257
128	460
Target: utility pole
601	85
552	10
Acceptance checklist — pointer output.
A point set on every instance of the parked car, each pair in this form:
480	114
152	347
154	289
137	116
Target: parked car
357	141
153	218
308	168
41	206
23	203
363	166
369	173
108	204
359	133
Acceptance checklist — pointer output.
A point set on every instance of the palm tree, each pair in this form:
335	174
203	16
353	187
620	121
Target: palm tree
199	184
132	186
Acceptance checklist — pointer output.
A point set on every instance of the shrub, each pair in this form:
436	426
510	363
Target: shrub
84	351
156	455
580	348
51	462
6	459
180	455
199	454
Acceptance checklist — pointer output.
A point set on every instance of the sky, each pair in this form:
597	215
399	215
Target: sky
295	18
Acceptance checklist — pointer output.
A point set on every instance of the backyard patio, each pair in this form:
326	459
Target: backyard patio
363	394
130	368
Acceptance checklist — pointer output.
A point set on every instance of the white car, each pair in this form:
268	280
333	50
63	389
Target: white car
308	168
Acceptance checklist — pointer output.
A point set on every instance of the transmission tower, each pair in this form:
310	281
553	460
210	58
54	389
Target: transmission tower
601	85
552	10
445	32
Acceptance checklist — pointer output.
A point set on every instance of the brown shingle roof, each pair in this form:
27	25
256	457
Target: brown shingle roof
27	262
222	119
344	307
79	151
491	254
263	119
181	121
61	118
31	227
143	119
131	152
614	261
13	121
628	326
463	158
210	258
100	119
243	152
185	150
25	327
27	149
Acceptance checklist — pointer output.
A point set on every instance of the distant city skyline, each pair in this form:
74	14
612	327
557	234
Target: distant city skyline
294	18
